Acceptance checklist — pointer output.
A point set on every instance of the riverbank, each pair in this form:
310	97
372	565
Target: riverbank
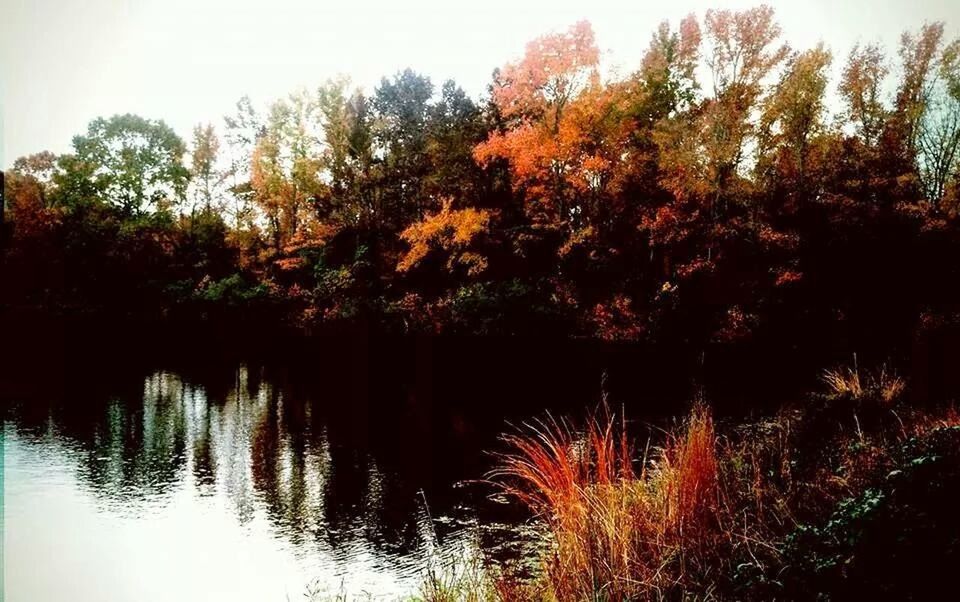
739	378
849	495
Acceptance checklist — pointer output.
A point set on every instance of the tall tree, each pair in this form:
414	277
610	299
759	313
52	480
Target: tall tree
206	175
742	52
27	191
861	86
793	118
400	106
348	155
243	129
928	108
454	127
543	139
918	55
286	172
668	94
133	161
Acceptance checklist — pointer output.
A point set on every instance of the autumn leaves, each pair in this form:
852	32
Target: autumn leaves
707	183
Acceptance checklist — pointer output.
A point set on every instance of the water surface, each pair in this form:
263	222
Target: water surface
147	467
220	480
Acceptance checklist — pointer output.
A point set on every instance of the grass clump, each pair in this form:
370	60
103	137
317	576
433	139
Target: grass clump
468	581
847	383
625	528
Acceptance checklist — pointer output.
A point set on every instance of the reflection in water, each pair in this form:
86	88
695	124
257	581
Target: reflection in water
140	484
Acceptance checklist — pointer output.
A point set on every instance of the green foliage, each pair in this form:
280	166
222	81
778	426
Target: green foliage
895	541
511	307
233	291
130	161
401	108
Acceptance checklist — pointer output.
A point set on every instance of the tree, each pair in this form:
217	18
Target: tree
26	191
286	173
665	107
792	120
348	155
206	176
554	70
454	127
741	53
702	149
40	166
133	161
918	55
243	130
452	230
861	85
401	106
544	141
667	71
938	146
928	103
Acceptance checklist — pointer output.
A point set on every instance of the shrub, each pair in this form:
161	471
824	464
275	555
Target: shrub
233	291
897	540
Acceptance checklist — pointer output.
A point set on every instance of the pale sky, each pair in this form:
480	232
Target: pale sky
65	62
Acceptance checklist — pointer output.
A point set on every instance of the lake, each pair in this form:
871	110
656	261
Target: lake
148	467
177	493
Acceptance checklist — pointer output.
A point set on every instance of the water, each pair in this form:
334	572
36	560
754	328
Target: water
178	493
187	472
143	466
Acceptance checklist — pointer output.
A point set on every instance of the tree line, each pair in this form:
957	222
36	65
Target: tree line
714	194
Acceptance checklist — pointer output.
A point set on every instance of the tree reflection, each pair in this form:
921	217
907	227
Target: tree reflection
261	445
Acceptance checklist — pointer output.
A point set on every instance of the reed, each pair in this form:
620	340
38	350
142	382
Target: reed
623	527
882	386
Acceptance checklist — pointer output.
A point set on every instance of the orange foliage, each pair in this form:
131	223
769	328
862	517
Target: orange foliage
28	207
563	142
554	69
702	151
740	48
785	277
616	320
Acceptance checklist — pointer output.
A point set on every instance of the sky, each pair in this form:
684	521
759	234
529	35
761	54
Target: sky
66	62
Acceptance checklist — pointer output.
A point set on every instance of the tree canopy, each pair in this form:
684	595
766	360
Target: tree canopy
713	194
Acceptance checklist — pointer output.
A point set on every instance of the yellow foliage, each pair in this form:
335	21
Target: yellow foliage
452	230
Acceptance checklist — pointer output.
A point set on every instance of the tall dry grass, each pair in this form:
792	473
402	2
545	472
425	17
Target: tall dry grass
882	386
625	527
